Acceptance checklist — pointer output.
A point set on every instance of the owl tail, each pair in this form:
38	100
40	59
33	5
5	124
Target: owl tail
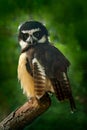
63	91
66	88
72	104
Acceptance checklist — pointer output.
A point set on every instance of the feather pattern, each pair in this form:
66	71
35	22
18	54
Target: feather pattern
39	78
63	90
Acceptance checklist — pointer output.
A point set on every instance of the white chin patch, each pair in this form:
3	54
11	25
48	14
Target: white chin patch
23	44
42	40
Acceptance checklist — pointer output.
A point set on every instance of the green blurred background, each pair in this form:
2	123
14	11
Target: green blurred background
66	21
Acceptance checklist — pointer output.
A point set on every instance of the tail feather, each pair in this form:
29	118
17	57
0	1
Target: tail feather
57	89
72	104
63	90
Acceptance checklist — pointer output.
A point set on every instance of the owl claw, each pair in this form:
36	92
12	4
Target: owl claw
31	99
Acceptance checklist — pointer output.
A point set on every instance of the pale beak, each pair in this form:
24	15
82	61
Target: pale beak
29	40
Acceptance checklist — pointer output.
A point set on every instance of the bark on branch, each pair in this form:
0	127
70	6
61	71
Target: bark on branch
25	115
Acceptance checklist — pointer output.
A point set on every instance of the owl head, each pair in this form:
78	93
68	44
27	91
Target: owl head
32	33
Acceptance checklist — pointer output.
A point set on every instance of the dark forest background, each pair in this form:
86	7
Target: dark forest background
66	21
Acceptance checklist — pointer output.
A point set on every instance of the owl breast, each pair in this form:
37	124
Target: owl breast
36	85
26	80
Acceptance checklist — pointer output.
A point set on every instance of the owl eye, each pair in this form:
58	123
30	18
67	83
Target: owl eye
36	34
25	36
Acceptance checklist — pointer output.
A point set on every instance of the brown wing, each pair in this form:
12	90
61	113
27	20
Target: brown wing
39	78
55	64
62	89
60	80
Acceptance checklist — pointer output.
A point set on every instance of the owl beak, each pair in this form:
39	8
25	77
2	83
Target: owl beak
30	40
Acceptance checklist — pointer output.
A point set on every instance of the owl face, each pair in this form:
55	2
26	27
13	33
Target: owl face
31	33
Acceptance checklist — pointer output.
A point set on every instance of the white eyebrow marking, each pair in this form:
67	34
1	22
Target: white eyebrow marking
31	31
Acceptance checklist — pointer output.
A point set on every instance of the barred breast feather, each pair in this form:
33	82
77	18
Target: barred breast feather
39	78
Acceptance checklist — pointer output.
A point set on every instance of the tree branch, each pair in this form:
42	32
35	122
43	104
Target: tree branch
25	115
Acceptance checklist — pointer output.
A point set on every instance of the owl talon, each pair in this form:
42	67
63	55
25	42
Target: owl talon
31	99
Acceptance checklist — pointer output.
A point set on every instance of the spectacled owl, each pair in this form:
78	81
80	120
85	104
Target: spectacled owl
42	68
